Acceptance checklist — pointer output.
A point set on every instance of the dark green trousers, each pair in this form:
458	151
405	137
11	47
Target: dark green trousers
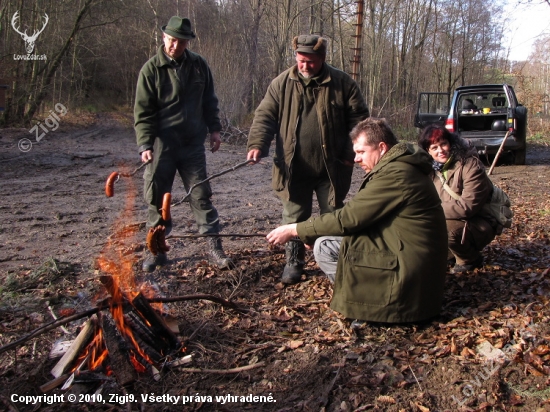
300	205
190	163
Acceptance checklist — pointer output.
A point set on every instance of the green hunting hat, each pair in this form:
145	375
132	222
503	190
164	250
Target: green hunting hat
179	28
309	43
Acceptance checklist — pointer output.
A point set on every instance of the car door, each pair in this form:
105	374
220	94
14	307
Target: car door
432	108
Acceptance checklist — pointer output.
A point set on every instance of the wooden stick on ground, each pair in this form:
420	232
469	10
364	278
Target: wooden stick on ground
212	298
223	371
50	309
48	386
48	327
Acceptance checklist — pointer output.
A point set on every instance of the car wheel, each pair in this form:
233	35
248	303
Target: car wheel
519	156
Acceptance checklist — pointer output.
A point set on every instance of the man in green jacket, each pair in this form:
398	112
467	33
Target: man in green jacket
175	109
309	109
386	249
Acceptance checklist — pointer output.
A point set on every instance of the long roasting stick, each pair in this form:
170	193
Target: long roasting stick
209	178
199	235
498	154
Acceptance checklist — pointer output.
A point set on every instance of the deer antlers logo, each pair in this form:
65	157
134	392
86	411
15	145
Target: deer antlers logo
29	40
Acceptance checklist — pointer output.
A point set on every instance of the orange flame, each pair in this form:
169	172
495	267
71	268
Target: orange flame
90	354
137	364
98	351
118	262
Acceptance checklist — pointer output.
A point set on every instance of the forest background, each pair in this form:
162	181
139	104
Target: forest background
89	52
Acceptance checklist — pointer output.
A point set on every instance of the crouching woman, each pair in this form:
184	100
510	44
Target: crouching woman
464	188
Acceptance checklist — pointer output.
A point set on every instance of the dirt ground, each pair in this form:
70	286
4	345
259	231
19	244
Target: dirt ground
56	223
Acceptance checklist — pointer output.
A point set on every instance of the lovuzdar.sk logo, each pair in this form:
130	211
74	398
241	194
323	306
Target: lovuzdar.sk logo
29	40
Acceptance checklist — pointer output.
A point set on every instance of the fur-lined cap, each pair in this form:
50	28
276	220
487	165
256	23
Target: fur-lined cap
309	43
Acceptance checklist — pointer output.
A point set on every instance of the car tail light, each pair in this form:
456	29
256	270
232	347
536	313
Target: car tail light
449	125
511	121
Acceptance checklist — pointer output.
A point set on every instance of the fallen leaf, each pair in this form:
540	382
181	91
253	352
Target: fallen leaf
294	344
386	399
421	408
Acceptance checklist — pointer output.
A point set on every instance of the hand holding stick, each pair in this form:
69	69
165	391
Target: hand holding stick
115	176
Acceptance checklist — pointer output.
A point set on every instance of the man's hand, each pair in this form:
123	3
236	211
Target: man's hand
215	141
282	234
146	156
255	155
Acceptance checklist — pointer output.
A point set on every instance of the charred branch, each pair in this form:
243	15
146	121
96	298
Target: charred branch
155	322
119	352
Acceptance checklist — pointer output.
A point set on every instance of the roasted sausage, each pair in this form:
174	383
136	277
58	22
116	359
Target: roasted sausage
166	199
110	184
156	240
152	242
161	241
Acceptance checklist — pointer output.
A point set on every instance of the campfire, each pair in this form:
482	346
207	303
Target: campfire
127	338
129	335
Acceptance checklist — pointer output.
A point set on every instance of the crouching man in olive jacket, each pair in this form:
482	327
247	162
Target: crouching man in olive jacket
387	247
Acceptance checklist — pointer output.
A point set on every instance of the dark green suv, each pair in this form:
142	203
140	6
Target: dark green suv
484	114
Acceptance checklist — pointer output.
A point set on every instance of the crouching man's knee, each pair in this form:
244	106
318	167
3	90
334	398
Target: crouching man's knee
326	251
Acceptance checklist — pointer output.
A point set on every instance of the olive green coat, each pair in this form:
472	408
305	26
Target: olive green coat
393	256
340	106
177	106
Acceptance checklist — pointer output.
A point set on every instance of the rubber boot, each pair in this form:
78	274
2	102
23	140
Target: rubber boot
295	261
217	255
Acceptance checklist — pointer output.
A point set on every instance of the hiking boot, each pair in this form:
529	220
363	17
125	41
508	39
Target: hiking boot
358	324
150	264
295	251
466	267
217	255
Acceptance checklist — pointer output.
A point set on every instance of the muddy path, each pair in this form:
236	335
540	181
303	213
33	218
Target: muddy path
54	202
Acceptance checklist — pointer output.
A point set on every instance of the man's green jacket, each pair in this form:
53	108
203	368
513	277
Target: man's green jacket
393	256
177	105
340	106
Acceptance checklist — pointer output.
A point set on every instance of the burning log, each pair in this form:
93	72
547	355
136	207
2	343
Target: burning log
155	322
119	352
144	337
81	341
150	326
89	376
